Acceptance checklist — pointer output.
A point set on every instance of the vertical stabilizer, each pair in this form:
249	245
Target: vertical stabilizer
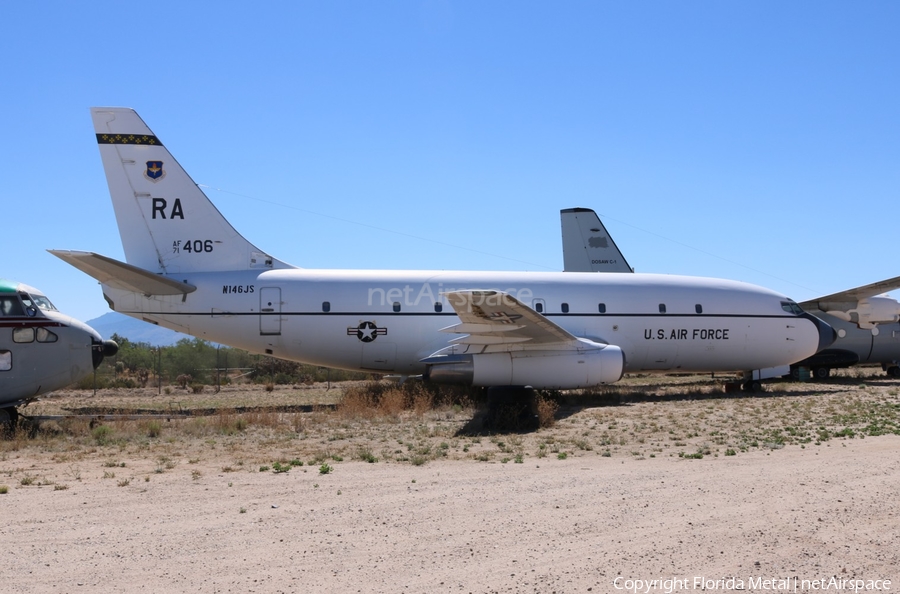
587	247
166	222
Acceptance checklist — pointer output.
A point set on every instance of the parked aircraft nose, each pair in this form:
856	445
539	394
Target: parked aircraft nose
827	334
106	348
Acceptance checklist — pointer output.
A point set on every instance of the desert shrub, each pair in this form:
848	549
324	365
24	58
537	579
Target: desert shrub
102	434
229	424
197	388
154	428
89	383
390	399
283	379
546	411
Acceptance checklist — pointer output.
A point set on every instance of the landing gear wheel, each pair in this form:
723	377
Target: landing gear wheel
894	371
752	386
9	416
821	372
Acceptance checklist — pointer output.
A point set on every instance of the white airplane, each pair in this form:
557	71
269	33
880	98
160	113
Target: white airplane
189	270
867	325
41	349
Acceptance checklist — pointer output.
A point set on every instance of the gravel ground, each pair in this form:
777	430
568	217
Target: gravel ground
185	513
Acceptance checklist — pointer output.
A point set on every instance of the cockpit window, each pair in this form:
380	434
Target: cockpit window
791	307
30	309
33	302
43	303
11	306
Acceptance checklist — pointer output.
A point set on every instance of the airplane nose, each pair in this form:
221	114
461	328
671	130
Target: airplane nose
110	348
106	348
827	334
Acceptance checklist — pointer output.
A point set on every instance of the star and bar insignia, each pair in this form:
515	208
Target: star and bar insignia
366	331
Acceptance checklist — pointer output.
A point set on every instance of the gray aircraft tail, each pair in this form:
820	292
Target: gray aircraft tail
587	246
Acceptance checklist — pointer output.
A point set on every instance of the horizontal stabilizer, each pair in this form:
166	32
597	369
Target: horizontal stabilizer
120	275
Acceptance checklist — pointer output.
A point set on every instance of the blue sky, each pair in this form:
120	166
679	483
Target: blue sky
756	141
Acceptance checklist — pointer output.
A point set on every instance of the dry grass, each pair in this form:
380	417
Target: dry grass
674	416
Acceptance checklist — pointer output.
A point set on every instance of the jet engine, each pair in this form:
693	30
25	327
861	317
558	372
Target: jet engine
869	312
538	369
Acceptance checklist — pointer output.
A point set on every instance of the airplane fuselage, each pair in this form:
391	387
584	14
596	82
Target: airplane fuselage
388	321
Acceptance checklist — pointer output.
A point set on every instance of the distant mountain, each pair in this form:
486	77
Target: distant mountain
134	330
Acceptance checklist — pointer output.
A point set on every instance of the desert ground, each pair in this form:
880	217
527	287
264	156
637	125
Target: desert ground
660	484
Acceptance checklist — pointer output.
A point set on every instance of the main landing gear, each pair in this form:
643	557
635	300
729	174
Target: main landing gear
821	373
9	416
752	386
511	408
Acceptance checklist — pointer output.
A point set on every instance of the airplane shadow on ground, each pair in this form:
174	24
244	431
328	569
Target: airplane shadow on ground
572	404
198	412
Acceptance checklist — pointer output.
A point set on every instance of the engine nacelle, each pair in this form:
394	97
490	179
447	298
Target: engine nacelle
539	369
870	312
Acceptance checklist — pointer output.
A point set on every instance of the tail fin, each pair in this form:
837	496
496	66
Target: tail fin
587	246
166	222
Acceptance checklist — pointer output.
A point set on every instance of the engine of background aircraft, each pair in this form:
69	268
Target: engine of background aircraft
870	312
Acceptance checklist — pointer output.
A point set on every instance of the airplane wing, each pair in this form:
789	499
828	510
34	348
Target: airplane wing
857	294
506	343
587	246
120	275
498	318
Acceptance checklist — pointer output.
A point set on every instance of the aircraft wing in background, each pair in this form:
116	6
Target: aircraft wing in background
861	305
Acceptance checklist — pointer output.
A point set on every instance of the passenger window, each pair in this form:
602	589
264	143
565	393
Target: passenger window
662	308
5	360
44	335
601	307
23	335
10	306
565	308
698	308
438	306
396	306
326	306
